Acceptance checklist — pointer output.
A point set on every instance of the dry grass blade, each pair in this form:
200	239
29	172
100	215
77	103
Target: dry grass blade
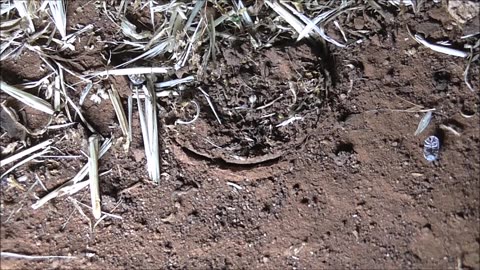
183	59
31	257
70	38
130	71
117	106
194	13
22	9
438	48
6	7
166	93
105	213
93	174
247	20
175	82
11	114
207	97
289	121
41	153
341	30
57	10
467	68
304	26
73	185
60	83
401	2
83	172
27	98
450	129
10	25
148	123
25	152
312	25
130	30
152	15
211	31
68	188
423	124
85	92
286	15
130	114
157	50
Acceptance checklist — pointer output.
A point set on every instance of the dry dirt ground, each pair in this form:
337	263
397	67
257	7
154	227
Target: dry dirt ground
345	187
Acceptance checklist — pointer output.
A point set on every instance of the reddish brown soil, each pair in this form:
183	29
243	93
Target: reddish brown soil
346	187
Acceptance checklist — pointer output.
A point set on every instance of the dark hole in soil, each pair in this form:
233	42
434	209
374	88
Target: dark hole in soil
344	115
441	76
427	226
344	147
267	208
440	133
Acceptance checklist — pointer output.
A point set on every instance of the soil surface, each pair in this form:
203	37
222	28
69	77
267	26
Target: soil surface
342	185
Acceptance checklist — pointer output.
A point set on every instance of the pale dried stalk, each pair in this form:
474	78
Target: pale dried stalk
207	97
130	30
130	113
289	121
287	16
25	152
130	71
27	98
183	59
10	25
43	152
467	68
158	49
31	257
247	20
423	124
313	24
57	8
85	92
105	214
175	82
68	188
165	93
22	9
117	106
440	49
6	7
148	123
73	185
93	174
